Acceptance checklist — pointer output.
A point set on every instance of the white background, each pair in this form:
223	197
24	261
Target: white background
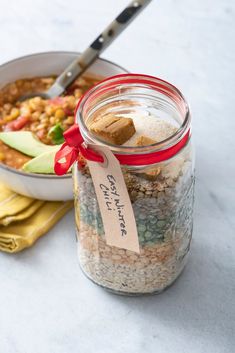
46	304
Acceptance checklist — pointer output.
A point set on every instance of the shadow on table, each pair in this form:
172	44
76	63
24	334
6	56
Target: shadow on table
200	302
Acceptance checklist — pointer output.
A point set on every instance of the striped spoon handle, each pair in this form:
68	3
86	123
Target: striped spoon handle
79	65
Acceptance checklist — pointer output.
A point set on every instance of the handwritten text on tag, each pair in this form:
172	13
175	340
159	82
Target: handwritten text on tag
114	201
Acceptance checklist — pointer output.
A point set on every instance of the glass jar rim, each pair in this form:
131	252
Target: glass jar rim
156	83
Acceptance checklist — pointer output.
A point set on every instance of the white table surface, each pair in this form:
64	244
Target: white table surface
46	303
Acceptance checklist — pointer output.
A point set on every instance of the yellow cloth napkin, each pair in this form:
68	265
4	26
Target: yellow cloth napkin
23	220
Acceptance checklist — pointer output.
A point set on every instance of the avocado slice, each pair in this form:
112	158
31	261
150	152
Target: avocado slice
25	142
43	164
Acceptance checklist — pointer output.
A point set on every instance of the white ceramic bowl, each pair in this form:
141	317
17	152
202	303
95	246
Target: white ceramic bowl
41	186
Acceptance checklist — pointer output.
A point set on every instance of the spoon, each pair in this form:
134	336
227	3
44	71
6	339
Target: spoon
78	66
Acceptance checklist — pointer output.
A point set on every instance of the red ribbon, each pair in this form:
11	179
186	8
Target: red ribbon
70	150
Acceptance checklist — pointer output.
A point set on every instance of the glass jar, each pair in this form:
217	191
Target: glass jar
161	193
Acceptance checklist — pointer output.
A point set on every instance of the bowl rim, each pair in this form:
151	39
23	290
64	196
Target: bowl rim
40	175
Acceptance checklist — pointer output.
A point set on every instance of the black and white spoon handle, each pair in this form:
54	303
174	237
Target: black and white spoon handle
78	66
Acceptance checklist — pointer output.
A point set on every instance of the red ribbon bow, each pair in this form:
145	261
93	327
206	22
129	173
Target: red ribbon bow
70	150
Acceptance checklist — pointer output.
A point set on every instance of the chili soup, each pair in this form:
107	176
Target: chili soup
47	119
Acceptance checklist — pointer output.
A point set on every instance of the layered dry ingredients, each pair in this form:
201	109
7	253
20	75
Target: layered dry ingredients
162	200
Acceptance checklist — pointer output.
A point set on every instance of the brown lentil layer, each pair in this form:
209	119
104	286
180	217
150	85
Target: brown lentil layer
159	253
126	272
